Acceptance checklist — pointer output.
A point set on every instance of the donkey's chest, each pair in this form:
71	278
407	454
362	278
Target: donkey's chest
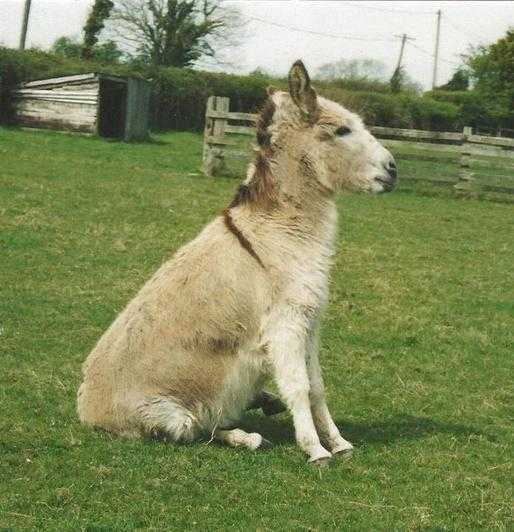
305	281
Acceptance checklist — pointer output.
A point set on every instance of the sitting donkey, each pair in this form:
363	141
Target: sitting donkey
242	302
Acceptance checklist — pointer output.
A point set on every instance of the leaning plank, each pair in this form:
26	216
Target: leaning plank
57	81
58	124
405	156
441	182
87	100
240	130
489	151
56	93
232	116
474	149
491	141
494	188
488	163
220	141
416	134
441	148
76	101
237	154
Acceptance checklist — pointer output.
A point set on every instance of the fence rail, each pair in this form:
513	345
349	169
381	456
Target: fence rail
218	146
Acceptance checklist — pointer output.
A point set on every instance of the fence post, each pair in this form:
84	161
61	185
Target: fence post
213	156
465	182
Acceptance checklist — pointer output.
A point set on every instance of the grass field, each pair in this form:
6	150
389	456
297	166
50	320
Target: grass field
417	351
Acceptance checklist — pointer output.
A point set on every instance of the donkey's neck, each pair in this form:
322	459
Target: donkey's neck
283	205
297	191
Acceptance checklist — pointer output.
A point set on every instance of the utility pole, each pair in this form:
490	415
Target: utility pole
25	24
404	38
436	52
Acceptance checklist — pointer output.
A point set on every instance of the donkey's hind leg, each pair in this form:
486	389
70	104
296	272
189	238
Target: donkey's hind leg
163	417
238	437
270	403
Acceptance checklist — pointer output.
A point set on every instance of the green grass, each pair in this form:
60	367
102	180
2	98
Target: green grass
417	351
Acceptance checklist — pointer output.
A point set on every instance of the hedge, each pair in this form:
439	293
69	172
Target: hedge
474	109
179	95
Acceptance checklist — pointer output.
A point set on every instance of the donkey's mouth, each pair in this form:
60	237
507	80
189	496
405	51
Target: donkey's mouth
387	182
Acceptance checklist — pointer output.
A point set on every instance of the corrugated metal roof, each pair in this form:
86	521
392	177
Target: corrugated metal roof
51	82
87	97
60	81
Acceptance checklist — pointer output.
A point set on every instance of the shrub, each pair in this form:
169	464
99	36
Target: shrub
179	95
427	113
178	98
473	108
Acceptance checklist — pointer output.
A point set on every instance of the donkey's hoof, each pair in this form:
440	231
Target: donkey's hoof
256	441
343	450
321	463
320	458
344	454
265	444
273	407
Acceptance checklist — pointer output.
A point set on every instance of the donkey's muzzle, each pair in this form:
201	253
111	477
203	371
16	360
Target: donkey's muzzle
388	180
392	170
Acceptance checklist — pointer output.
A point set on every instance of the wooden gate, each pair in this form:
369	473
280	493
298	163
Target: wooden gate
219	125
470	151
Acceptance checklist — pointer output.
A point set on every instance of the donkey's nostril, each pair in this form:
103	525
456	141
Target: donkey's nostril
391	169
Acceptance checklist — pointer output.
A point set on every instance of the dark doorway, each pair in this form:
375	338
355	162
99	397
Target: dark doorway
113	107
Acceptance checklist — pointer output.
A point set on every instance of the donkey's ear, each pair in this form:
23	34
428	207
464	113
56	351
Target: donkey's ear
304	96
270	90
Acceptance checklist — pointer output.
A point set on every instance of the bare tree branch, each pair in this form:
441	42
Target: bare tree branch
176	32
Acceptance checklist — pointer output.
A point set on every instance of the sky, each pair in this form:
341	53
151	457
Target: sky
280	31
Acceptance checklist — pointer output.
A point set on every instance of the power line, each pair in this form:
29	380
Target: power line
461	29
388	10
456	26
322	34
449	61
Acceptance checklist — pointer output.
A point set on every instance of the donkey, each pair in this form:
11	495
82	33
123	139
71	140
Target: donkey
242	301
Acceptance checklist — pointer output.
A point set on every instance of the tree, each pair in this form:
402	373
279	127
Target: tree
458	82
260	72
175	32
107	52
491	69
67	47
397	80
363	69
401	82
94	25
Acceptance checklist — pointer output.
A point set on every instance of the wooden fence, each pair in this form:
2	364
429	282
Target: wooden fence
471	151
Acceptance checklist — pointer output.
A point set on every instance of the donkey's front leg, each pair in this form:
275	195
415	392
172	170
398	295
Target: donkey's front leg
287	342
327	429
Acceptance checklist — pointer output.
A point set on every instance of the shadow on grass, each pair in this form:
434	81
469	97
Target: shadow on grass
398	427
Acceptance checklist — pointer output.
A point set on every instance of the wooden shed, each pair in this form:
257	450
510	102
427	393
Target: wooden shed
109	106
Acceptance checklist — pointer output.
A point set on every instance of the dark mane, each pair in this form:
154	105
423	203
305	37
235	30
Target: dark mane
261	188
263	123
229	223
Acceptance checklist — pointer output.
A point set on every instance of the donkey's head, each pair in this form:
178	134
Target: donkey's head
330	142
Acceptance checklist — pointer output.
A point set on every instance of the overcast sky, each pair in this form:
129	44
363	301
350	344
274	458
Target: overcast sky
275	40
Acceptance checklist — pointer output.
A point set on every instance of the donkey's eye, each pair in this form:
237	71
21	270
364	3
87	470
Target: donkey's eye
342	131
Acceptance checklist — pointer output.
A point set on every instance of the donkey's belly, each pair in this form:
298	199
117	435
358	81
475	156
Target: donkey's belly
240	386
